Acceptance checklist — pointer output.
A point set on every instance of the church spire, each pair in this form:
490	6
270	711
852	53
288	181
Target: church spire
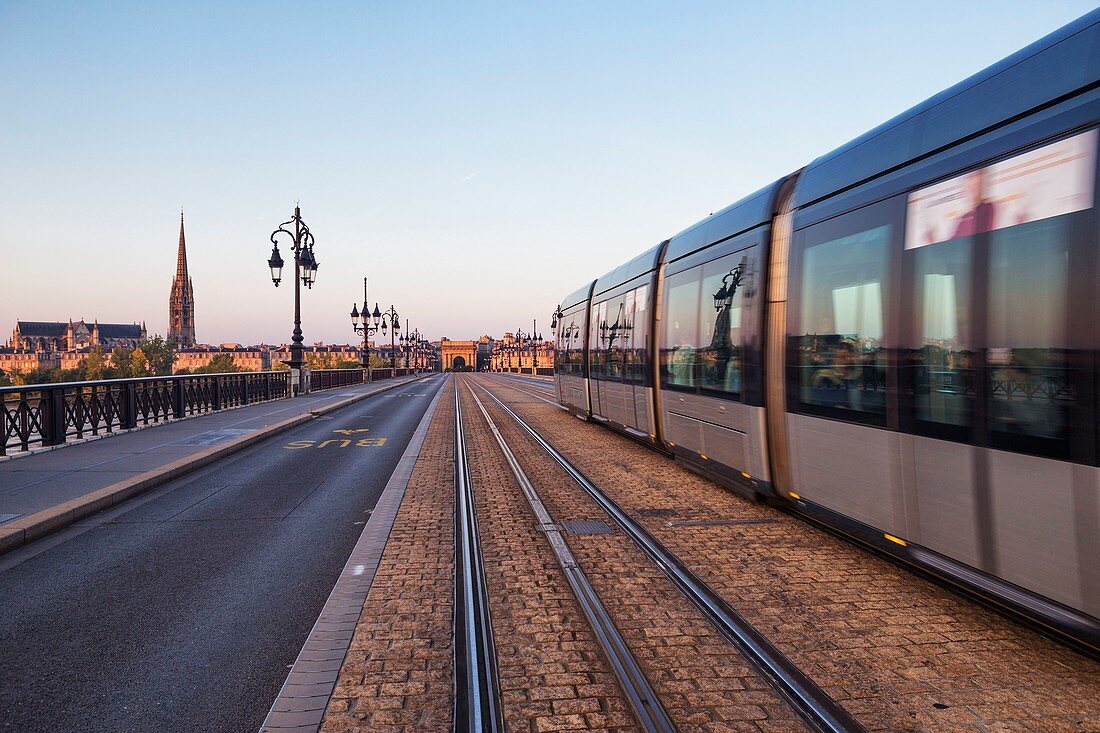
181	256
181	302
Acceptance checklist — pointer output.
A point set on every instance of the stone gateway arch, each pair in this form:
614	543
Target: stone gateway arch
458	356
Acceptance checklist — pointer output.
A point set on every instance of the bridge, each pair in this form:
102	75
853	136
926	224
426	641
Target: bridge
827	460
453	551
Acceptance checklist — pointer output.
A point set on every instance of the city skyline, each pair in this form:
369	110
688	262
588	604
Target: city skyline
467	161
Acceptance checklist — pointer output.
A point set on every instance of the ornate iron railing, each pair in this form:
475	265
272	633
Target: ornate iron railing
50	414
330	378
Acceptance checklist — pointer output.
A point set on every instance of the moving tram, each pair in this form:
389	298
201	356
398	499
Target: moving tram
899	341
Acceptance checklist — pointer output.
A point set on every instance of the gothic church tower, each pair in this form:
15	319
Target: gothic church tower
181	303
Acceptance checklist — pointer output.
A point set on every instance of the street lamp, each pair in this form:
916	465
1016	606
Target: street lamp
305	273
367	328
411	346
389	319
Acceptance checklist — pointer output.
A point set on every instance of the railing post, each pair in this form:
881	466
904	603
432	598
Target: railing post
246	386
178	402
129	405
216	394
54	429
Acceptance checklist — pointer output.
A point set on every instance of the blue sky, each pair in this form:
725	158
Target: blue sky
476	161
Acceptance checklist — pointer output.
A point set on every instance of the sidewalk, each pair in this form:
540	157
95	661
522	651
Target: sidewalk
44	491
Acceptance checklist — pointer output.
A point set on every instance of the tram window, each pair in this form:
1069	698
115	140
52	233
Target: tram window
640	333
941	360
596	354
630	357
841	357
1030	387
612	332
724	281
681	329
572	341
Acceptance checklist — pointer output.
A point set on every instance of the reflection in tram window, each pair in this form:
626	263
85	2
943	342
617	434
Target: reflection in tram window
571	345
723	294
1030	389
842	361
635	341
611	337
941	361
597	351
681	329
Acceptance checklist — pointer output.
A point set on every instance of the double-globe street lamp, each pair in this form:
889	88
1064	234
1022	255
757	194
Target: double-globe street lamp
411	344
305	273
367	328
386	320
532	341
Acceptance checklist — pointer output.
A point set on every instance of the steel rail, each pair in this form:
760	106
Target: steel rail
528	383
529	393
477	690
819	711
640	695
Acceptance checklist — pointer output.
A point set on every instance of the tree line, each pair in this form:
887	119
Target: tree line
155	357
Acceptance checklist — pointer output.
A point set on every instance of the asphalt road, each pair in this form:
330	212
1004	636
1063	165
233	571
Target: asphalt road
183	609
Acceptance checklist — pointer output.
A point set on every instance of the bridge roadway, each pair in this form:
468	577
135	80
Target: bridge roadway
182	608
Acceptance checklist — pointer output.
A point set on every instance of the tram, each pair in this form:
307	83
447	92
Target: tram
900	340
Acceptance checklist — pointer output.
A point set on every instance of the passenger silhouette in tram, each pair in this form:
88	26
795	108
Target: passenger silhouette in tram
980	214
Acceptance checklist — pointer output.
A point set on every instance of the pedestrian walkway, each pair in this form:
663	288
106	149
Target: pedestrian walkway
43	491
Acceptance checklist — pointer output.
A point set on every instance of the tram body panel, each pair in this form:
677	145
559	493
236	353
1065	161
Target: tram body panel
851	469
1034	521
943	477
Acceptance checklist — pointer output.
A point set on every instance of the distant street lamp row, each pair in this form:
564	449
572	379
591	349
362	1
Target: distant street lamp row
365	323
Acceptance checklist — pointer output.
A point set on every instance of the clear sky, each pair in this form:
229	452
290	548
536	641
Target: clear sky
476	161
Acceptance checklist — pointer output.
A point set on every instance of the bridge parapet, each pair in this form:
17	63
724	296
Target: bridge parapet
41	415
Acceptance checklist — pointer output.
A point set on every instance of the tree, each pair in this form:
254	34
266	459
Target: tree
94	365
139	364
222	363
317	360
122	363
5	379
160	355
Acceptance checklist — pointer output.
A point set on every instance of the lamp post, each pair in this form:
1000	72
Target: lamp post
367	328
525	341
394	324
536	342
406	343
305	273
412	346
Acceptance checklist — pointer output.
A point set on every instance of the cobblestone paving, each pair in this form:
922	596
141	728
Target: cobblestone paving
899	652
703	682
553	675
398	674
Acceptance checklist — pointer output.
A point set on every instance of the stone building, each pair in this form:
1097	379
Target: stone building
23	361
245	358
51	336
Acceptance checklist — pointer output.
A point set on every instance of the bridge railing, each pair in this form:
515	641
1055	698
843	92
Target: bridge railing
51	414
331	378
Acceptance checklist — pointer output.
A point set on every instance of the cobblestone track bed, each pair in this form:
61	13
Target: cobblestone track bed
552	673
899	652
703	682
398	674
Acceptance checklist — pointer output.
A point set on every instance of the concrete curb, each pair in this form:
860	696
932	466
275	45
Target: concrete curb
24	530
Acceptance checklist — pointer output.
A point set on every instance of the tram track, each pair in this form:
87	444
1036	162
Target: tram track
639	693
804	697
477	687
